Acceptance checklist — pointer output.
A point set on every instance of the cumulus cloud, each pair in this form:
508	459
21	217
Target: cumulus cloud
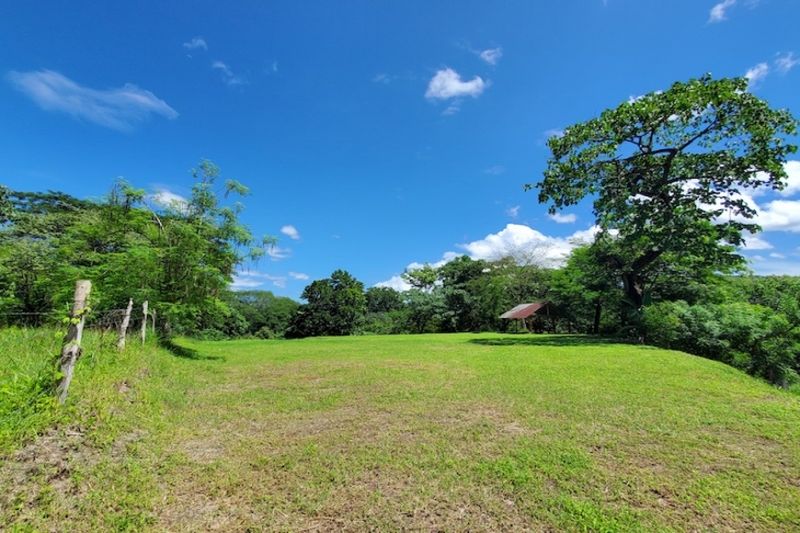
291	232
793	180
563	218
779	215
447	83
119	109
527	245
196	43
718	13
169	199
757	73
491	55
522	243
395	282
782	214
227	74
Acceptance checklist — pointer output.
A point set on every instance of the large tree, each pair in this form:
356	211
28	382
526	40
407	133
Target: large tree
665	171
335	307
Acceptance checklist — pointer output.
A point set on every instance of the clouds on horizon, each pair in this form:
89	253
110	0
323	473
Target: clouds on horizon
120	109
518	241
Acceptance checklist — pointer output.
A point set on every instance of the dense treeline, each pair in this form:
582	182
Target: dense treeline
178	254
751	322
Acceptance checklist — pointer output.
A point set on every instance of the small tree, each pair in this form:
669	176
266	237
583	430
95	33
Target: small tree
665	170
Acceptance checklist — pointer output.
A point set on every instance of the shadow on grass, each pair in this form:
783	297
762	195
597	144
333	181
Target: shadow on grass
186	353
547	340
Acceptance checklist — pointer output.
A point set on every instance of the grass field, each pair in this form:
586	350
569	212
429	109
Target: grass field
429	432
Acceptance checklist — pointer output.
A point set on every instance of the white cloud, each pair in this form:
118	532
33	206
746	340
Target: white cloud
120	109
491	55
522	243
196	42
779	215
291	232
298	275
527	246
513	212
757	73
227	74
167	198
395	282
754	242
241	282
792	187
563	218
251	279
719	11
553	132
276	253
786	62
452	109
776	255
447	83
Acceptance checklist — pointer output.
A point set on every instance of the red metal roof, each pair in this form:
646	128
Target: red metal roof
523	310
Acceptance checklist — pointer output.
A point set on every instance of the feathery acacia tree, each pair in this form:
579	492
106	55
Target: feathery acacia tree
665	170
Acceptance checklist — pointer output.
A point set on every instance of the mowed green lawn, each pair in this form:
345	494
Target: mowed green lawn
428	432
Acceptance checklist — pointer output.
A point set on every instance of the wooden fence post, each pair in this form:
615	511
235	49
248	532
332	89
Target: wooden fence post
123	327
144	321
71	346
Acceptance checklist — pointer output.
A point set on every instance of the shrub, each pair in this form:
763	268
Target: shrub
753	338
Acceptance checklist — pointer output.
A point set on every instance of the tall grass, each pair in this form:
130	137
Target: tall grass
28	370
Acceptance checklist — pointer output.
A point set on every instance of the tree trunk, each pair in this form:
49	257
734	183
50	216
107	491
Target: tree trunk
598	309
634	289
71	347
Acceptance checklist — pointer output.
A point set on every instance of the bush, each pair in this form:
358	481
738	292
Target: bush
753	338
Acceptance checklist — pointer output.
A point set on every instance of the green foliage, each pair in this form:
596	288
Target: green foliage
661	170
750	337
335	306
267	316
180	257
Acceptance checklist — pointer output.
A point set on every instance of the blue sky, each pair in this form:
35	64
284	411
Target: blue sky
372	134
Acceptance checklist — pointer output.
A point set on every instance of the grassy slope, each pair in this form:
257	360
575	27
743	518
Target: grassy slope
433	431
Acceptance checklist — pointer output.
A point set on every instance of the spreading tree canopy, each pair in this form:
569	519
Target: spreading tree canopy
665	172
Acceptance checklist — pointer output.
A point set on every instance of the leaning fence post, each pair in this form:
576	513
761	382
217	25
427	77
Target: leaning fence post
123	327
71	346
144	321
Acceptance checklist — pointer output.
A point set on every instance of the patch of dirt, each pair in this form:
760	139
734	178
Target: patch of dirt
46	465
